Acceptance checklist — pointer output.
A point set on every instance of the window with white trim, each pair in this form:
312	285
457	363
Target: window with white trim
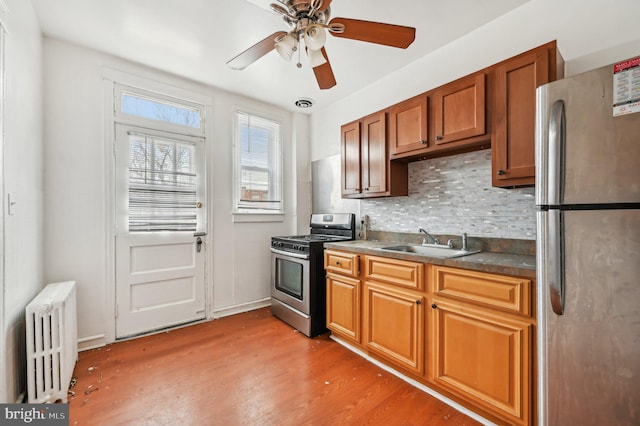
258	164
158	111
165	172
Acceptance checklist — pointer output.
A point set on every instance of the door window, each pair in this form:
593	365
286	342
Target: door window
162	184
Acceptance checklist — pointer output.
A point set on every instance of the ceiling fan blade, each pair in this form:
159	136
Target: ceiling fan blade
375	32
324	73
325	5
255	52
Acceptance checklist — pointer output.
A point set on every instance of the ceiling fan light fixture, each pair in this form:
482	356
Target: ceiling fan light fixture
315	37
316	58
287	46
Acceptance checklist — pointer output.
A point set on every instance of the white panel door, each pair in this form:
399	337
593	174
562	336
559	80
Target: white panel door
160	263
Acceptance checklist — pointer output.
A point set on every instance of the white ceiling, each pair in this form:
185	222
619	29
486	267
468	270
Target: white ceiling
195	39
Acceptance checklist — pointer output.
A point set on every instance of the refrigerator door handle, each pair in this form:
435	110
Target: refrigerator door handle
556	152
555	261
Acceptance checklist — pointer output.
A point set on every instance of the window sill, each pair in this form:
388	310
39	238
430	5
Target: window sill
242	217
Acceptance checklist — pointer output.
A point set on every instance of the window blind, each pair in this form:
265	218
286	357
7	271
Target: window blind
259	158
162	184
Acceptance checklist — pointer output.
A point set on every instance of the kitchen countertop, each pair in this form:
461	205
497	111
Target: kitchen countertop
521	265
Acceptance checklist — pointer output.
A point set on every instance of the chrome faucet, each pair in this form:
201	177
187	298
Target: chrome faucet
424	240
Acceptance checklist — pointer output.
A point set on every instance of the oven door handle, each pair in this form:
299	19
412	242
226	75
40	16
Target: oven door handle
289	254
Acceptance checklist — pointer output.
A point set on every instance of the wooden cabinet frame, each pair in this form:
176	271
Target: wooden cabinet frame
513	144
459	109
366	170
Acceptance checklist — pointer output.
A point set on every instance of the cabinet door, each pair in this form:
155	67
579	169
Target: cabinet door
395	325
343	306
408	125
459	109
350	155
515	116
484	358
374	154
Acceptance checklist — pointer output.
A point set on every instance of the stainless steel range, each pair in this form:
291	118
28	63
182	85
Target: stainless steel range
298	294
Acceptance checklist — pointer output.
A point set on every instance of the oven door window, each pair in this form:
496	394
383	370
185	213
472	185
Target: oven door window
289	277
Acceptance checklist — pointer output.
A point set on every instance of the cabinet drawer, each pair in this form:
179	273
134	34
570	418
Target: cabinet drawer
509	294
342	263
394	271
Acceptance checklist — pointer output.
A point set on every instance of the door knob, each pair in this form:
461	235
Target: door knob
198	244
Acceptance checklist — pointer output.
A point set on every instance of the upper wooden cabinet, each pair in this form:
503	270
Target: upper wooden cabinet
459	109
350	156
450	118
374	154
492	107
366	170
408	125
516	81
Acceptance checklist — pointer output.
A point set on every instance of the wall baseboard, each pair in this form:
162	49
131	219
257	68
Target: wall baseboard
244	307
91	342
99	340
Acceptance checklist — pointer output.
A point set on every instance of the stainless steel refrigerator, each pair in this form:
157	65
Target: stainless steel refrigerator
588	250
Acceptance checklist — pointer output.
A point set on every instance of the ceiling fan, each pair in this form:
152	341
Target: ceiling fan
309	23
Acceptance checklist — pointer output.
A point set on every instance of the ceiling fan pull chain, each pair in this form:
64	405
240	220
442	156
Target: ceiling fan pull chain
299	64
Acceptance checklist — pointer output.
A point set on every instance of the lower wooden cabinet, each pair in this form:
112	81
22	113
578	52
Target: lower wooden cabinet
394	324
343	306
469	335
484	358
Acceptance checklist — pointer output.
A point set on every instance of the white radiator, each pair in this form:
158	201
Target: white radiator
52	342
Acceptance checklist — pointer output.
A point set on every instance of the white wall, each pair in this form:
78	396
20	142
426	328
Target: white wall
77	243
581	28
22	175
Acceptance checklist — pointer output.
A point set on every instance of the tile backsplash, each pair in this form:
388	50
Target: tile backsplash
451	195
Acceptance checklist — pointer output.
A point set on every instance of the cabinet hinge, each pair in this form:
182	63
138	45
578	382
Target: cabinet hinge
116	310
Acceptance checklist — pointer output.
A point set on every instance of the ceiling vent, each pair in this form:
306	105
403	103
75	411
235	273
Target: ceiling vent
304	103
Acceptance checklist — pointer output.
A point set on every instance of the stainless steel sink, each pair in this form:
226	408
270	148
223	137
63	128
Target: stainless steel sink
443	252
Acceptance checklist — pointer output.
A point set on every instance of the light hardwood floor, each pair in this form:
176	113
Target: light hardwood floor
246	369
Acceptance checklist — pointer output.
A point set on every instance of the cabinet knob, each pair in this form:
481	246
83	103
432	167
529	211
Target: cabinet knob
434	306
366	189
438	138
423	142
418	302
500	172
337	263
